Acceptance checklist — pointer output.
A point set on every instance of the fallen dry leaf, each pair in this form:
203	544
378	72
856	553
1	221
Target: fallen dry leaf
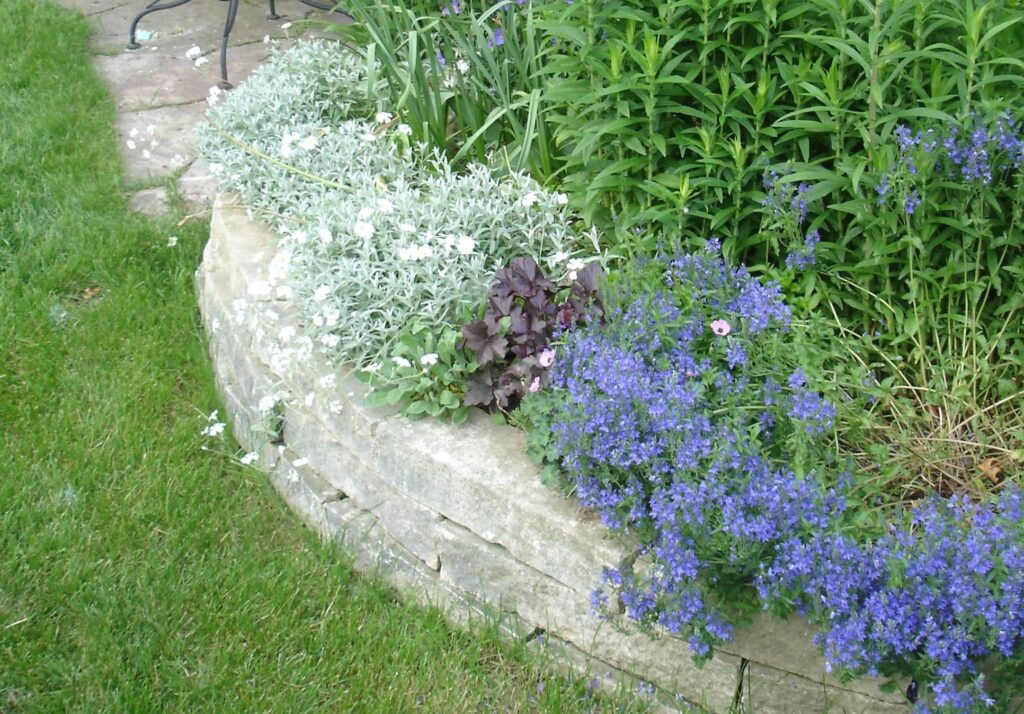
990	469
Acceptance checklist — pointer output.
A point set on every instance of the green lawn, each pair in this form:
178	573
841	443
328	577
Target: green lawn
138	571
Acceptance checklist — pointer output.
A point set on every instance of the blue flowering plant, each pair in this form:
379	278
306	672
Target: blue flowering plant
688	420
693	419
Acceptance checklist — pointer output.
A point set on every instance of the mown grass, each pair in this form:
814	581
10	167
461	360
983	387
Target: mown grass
139	572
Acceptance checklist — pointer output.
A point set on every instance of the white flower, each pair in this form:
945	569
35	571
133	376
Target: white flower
384	117
331	316
266	39
530	199
560	257
310	398
286	333
214	95
146	154
287	139
201	61
193	52
423	251
130	144
404	130
267	403
299	237
561	199
213	416
309	143
284	292
401	361
463	66
574	266
215	429
428	359
286	25
216	169
372	368
385	206
465	245
322	293
363	230
133	133
369	137
407	228
329	340
172	241
324	235
365	212
249	458
150	129
336	407
328	381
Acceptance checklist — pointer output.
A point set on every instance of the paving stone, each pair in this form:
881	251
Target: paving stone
149	201
198	186
144	80
166	133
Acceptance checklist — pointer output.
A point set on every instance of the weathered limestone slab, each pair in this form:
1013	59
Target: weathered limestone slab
784	645
601	676
494	492
157	142
773	691
149	201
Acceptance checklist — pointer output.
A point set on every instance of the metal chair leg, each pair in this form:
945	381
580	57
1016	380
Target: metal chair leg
273	12
152	7
228	24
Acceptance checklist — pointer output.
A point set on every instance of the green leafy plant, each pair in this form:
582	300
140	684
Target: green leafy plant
426	374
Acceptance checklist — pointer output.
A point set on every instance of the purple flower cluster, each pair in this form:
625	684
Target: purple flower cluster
805	256
947	588
974	155
706	444
785	199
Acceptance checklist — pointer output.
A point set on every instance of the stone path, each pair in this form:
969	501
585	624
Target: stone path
160	90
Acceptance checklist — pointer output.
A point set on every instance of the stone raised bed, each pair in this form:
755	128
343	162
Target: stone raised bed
457	516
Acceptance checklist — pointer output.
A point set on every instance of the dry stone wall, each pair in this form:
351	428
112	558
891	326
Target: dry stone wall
480	537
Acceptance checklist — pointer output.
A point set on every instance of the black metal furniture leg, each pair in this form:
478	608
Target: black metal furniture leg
273	12
152	7
228	24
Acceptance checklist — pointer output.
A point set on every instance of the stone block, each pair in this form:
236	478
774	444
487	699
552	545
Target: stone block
490	572
405	521
303	490
601	677
788	645
769	690
476	475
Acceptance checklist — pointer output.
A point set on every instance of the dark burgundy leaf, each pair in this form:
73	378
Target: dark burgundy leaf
484	341
478	390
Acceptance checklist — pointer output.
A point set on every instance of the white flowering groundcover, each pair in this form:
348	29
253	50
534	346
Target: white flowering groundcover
377	234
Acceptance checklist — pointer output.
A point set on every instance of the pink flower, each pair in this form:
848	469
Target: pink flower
545	358
535	384
721	328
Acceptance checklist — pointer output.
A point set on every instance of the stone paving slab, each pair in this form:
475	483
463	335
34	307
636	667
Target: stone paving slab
171	127
160	93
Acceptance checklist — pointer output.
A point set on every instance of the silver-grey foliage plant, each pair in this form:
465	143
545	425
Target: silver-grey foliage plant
377	234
